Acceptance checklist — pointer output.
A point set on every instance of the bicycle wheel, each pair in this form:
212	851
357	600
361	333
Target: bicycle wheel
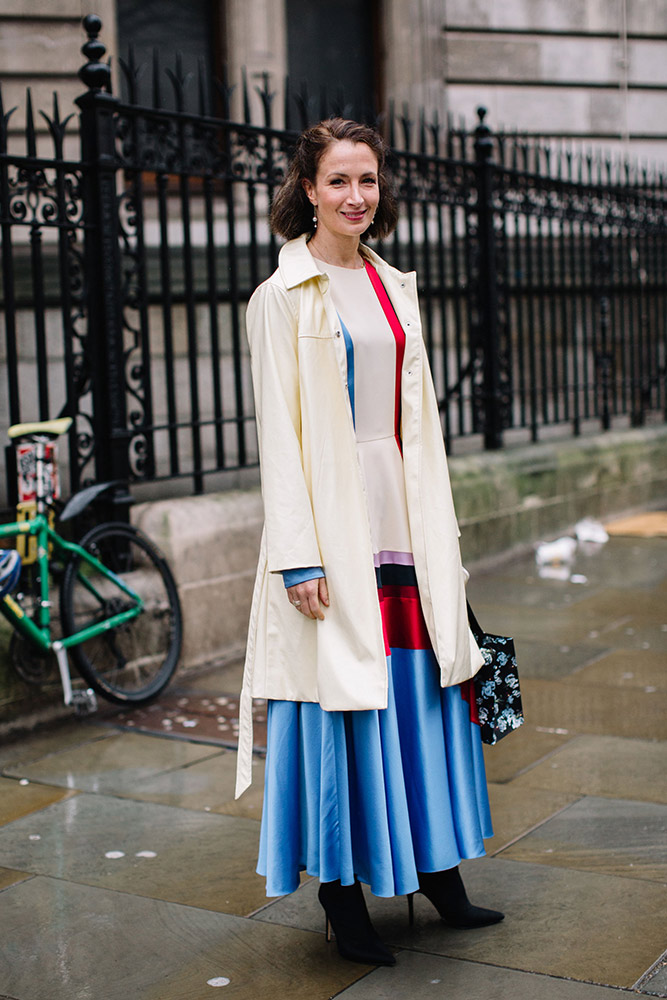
134	661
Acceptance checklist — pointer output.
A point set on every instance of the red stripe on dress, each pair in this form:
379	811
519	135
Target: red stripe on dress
403	627
468	694
399	337
402	618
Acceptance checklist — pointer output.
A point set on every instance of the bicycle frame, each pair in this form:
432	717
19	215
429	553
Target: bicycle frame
40	632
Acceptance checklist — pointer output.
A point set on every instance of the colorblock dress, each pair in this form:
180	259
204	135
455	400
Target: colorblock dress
380	794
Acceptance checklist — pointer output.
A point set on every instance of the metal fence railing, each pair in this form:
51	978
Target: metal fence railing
125	273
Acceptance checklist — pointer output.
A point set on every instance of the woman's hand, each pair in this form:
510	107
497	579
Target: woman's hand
309	597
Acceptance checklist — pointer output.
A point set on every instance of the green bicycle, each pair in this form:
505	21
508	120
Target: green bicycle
120	614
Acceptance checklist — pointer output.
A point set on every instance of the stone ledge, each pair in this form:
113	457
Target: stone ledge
508	499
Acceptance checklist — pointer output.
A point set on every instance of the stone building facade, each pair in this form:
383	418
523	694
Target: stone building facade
594	70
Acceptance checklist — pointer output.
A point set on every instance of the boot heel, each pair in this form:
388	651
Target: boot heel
411	908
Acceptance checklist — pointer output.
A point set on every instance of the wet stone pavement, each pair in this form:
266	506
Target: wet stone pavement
127	868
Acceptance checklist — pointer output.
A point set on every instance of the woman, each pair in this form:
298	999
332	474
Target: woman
358	633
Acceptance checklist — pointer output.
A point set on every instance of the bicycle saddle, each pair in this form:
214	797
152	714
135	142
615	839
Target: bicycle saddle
42	428
10	570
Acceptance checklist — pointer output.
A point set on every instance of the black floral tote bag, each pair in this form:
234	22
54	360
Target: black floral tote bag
497	690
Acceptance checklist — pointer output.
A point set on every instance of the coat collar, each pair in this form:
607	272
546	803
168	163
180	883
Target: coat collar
297	265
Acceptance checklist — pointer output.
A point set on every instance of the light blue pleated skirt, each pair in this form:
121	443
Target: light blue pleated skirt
379	795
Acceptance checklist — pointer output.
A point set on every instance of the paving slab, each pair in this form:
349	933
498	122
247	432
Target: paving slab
546	909
206	785
604	766
196	858
218	678
519	751
112	764
655	984
520	585
644	605
515	811
429	977
578	708
10	877
40	744
554	660
607	836
19	798
63	941
537	625
627	668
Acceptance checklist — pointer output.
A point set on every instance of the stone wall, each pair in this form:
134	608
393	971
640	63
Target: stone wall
586	68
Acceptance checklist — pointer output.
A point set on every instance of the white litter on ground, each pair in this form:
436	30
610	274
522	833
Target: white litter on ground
218	981
560	551
590	530
114	855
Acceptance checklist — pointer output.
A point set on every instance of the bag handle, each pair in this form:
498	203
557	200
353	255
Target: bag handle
475	627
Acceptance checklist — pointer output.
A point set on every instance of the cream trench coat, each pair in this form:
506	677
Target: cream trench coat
315	506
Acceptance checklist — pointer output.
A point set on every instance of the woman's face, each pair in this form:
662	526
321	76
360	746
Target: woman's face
346	191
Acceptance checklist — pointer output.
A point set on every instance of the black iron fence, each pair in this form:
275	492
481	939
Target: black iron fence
125	272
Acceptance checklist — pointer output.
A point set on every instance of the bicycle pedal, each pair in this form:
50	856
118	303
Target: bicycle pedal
84	702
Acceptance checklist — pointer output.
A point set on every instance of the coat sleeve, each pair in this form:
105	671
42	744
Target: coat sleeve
272	334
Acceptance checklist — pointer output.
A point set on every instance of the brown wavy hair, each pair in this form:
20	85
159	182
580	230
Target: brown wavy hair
292	212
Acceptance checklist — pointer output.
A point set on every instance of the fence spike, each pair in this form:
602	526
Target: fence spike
435	128
324	102
391	131
246	96
201	86
225	90
179	81
406	125
157	94
132	73
267	97
57	127
4	123
31	144
286	105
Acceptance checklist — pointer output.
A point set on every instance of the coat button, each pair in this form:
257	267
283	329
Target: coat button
338	333
409	371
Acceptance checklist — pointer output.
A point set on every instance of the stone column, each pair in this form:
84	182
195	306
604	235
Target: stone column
414	47
257	40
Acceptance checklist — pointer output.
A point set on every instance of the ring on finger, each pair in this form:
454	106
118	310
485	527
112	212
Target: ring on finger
297	604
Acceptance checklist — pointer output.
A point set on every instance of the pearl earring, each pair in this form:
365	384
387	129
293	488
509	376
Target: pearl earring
314	220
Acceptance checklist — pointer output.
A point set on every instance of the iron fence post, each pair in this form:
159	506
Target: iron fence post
103	270
487	287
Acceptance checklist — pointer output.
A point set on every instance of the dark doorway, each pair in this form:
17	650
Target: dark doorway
192	28
334	47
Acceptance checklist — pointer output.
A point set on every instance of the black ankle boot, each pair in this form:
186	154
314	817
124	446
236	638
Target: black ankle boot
446	891
356	938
